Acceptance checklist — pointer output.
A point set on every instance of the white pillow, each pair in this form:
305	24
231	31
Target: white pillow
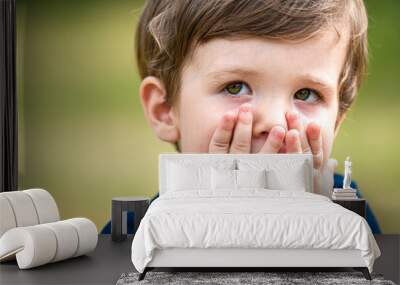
229	179
183	177
251	178
223	179
283	173
293	180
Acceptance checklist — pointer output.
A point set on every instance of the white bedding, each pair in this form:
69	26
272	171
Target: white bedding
250	218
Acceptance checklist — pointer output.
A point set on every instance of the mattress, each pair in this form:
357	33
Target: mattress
250	218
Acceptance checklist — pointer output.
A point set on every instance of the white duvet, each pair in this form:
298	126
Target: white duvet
251	218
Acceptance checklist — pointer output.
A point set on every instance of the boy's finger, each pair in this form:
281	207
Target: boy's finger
315	140
274	140
241	142
292	141
222	136
294	122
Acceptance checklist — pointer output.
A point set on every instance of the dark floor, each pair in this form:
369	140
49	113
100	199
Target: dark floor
110	259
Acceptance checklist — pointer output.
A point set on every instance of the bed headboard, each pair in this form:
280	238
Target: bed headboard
211	158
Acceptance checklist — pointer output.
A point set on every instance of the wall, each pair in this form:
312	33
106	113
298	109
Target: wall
83	135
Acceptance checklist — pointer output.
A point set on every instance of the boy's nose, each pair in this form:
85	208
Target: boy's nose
267	114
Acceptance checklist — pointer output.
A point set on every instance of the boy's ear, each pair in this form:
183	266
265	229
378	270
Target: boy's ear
158	112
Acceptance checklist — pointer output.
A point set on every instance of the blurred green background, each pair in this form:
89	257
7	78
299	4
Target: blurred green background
83	135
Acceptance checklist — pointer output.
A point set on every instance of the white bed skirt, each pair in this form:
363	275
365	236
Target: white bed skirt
252	257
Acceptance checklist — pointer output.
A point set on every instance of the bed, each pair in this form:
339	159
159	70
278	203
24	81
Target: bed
245	211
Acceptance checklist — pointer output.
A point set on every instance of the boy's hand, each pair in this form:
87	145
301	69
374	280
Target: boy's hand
310	138
241	141
297	140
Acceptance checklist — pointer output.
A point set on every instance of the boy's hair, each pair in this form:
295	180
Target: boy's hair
170	30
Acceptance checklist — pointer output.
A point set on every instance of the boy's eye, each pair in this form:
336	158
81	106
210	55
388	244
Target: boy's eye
236	88
308	95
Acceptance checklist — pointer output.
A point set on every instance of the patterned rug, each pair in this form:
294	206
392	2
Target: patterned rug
229	278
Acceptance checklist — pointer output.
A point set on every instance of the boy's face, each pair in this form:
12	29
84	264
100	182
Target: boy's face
273	76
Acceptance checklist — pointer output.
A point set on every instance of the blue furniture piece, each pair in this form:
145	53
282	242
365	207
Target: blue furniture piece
338	183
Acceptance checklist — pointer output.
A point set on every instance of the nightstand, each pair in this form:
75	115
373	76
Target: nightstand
356	205
120	207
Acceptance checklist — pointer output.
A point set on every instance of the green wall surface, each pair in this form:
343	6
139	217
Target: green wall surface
83	135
